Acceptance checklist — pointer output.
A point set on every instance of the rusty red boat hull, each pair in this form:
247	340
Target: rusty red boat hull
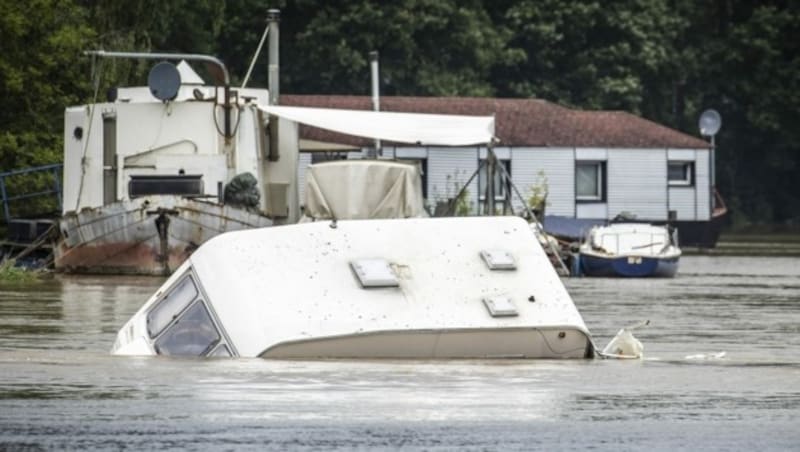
150	235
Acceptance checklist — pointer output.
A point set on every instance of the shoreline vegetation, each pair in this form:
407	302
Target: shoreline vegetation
12	274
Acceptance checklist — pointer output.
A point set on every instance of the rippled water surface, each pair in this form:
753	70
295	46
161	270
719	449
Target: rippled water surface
722	372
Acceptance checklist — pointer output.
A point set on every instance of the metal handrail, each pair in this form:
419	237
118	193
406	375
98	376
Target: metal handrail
56	190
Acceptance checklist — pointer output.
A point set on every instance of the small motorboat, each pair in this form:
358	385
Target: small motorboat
630	250
417	288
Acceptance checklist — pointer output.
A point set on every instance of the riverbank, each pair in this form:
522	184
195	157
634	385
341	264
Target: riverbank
752	244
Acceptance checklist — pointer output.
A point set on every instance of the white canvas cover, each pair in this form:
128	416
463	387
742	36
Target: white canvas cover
363	189
633	239
423	129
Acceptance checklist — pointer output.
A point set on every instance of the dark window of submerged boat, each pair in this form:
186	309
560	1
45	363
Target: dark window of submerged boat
170	306
193	334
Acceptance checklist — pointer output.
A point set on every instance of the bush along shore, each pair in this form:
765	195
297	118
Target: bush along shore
11	273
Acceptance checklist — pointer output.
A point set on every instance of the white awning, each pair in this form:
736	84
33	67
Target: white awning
424	129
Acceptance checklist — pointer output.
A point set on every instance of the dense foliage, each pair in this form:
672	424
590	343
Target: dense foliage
666	60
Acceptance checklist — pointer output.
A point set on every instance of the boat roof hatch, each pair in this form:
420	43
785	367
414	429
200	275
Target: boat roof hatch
499	260
374	273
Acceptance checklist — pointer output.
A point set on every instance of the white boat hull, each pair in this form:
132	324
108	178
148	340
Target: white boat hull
489	343
630	250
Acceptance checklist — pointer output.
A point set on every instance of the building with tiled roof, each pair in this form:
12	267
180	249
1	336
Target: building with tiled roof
594	165
519	122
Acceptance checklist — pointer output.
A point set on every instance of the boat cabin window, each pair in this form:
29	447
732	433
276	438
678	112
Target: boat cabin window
157	184
193	334
590	181
181	323
171	306
680	173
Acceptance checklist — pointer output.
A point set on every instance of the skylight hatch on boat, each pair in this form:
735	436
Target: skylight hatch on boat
374	273
499	260
500	306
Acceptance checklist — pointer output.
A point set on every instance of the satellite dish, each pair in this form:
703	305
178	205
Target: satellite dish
164	81
710	122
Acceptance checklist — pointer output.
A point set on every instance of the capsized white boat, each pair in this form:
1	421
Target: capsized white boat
423	288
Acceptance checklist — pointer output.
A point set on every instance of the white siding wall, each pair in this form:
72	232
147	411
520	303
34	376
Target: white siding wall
502	153
685	155
448	170
636	178
592	210
411	153
303	160
683	200
692	203
703	184
637	183
596	154
557	166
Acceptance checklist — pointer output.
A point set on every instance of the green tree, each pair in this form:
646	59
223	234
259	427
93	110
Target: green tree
40	73
174	26
743	59
587	53
427	47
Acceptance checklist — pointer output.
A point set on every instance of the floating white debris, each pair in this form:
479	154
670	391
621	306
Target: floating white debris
624	345
706	356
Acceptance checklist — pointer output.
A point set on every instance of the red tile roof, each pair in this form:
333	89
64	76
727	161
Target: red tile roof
519	122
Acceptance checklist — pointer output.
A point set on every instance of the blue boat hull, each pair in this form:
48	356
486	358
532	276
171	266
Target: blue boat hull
628	266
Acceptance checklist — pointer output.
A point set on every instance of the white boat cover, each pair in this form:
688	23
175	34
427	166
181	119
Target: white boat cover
632	239
363	189
423	129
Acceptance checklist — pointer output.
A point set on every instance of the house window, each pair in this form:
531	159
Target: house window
500	186
680	173
590	181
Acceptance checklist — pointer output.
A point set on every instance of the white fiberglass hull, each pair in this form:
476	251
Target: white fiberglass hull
485	343
301	291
